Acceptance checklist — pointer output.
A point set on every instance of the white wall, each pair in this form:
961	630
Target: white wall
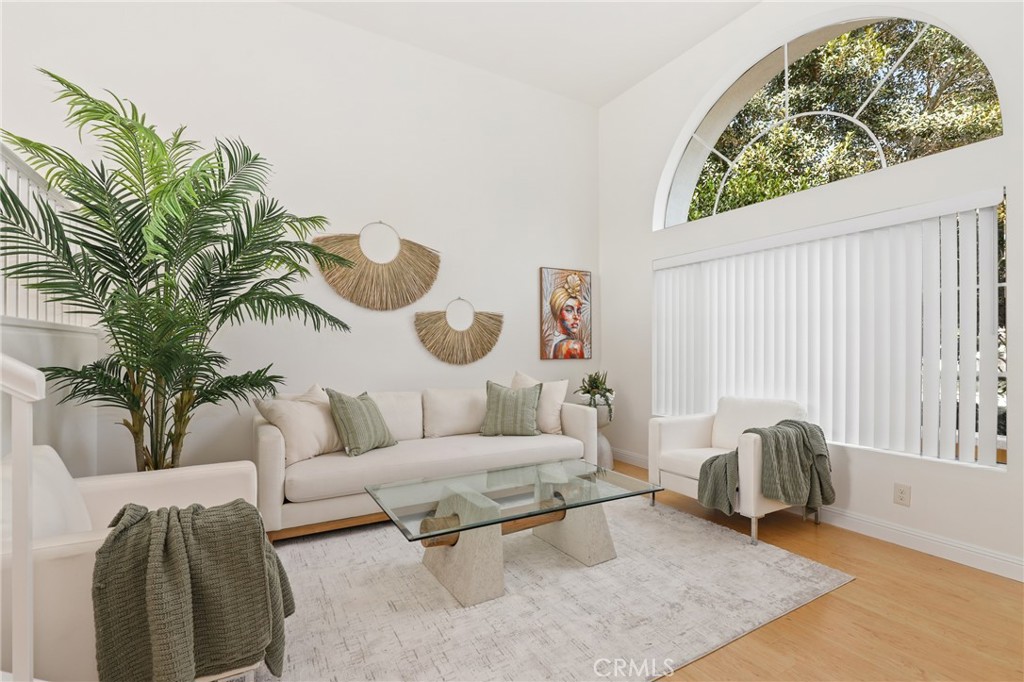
71	429
966	513
499	177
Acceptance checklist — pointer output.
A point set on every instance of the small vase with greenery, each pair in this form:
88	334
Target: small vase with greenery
163	245
595	388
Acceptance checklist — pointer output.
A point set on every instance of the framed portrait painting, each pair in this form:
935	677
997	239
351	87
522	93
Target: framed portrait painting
565	302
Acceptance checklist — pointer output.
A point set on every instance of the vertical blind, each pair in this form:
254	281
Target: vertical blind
15	299
887	335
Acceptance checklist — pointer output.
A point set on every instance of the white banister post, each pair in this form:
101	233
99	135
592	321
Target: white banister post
25	385
21	540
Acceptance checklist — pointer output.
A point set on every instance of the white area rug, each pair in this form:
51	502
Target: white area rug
681	587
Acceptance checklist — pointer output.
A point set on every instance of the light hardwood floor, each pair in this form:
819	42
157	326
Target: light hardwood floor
907	616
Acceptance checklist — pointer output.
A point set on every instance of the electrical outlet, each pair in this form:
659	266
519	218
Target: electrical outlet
901	494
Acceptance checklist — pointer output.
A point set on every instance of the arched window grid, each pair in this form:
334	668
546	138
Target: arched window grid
782	121
787	117
732	163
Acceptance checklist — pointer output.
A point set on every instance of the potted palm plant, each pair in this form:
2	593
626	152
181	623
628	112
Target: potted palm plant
595	388
165	245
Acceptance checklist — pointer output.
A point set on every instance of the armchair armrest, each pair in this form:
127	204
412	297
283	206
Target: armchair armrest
752	502
270	465
750	467
580	422
64	633
672	433
206	484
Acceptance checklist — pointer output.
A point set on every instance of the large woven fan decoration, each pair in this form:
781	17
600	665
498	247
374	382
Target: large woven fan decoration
380	286
458	346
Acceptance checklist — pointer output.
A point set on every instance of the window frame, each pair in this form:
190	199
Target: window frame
721	104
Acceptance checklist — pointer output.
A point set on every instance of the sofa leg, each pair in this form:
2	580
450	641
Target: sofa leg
753	530
817	517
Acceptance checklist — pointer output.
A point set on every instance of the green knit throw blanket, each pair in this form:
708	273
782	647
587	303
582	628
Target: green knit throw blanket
795	469
795	465
182	593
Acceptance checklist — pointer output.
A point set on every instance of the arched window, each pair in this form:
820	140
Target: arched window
841	101
888	326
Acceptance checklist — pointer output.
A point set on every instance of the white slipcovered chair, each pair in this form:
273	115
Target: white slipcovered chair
678	446
70	519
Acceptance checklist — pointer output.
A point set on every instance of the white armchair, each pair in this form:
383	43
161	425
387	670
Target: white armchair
678	446
70	518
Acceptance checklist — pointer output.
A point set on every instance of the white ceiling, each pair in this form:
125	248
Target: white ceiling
587	51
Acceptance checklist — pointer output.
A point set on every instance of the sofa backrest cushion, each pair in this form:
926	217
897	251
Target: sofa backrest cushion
306	423
735	415
402	411
453	411
57	504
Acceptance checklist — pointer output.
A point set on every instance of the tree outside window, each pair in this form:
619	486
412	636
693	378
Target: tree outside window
914	88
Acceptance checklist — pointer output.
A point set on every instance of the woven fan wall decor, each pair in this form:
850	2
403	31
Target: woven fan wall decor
458	346
380	286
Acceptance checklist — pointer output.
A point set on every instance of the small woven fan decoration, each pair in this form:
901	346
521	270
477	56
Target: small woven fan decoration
380	286
458	346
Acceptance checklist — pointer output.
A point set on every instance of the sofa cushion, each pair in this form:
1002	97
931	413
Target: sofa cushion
687	462
552	395
57	504
305	422
402	412
736	415
453	411
511	411
335	475
360	423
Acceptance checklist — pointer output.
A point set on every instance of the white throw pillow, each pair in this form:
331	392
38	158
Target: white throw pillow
453	411
305	421
552	395
402	412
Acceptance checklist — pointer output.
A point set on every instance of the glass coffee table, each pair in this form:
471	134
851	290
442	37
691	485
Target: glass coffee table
460	519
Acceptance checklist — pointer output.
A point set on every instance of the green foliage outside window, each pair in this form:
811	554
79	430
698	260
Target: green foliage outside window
940	97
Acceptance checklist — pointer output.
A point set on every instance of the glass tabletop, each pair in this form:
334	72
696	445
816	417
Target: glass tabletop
499	495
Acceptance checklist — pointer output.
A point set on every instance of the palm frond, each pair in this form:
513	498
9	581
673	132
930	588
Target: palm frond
52	267
119	127
242	172
57	166
240	387
265	305
303	228
100	382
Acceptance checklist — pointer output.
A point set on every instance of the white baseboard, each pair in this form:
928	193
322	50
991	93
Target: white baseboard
965	553
629	457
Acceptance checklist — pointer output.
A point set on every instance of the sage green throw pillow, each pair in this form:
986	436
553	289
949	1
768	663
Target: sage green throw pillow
360	423
511	412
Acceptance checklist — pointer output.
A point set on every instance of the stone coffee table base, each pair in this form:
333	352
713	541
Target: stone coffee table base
470	563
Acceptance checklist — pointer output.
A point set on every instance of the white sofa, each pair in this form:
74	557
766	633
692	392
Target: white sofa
70	522
438	435
678	446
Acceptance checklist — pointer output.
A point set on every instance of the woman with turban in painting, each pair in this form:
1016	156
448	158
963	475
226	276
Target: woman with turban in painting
566	304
